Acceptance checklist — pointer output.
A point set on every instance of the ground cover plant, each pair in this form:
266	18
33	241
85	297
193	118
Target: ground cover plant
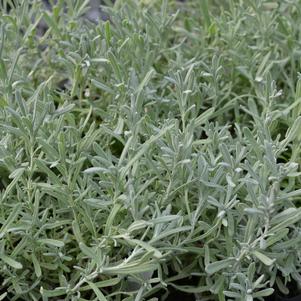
152	153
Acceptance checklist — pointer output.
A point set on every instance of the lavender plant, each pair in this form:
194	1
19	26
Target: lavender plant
158	150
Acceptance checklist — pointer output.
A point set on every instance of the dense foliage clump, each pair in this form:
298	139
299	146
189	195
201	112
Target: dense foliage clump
153	152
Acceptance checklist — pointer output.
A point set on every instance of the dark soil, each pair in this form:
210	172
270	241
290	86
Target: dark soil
294	295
